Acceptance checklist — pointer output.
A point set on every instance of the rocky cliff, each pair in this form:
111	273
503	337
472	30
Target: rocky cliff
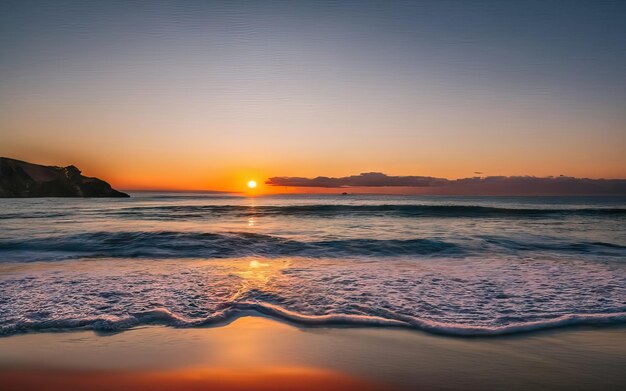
23	179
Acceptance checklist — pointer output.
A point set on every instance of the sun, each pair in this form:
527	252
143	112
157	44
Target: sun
251	184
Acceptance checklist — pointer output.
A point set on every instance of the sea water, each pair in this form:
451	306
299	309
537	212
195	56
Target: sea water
449	265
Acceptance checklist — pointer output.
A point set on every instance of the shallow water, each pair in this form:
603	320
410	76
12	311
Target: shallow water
451	265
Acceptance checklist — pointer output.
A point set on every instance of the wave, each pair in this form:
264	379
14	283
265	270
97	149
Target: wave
166	244
554	244
184	212
162	316
35	215
174	244
325	210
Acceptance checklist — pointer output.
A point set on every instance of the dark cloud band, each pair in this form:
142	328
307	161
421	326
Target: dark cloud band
475	185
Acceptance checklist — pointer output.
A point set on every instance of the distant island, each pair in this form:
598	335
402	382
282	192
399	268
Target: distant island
23	179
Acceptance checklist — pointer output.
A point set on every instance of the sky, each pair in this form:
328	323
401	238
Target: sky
208	95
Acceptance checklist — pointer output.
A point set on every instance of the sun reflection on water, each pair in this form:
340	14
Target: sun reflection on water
257	276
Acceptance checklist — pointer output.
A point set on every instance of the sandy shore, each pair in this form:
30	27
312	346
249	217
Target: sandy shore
254	353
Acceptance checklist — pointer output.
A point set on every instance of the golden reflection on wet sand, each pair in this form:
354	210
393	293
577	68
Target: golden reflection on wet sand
274	378
255	353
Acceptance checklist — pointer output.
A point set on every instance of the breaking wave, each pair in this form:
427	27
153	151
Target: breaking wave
162	316
174	244
165	244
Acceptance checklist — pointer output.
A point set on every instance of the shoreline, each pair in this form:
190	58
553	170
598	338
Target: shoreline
268	351
164	318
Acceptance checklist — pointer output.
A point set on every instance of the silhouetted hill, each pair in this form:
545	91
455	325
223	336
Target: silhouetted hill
23	179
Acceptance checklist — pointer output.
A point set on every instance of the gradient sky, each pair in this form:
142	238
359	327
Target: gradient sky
206	95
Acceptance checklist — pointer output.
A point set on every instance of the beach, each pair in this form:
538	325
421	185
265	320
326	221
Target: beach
312	195
257	353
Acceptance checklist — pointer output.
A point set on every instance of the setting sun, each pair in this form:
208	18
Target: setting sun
252	184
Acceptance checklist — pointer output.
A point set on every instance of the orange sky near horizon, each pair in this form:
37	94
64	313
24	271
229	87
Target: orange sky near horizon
188	172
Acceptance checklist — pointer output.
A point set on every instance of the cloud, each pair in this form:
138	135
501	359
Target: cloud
522	185
369	179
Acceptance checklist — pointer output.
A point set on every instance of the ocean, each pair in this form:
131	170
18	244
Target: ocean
446	265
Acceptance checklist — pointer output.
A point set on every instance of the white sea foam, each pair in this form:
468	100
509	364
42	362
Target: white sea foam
446	296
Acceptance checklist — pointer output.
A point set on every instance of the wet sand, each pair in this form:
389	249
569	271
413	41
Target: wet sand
255	353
